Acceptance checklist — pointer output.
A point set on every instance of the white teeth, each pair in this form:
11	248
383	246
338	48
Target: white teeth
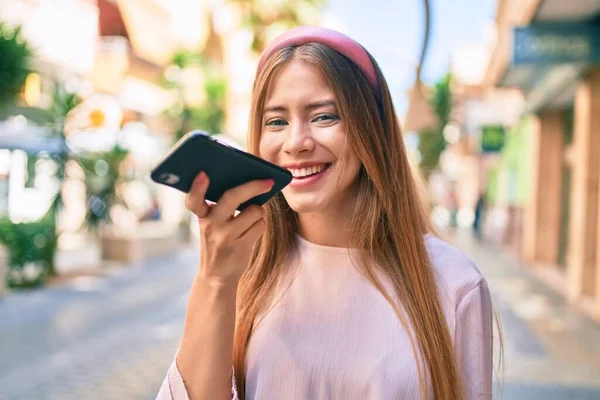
302	172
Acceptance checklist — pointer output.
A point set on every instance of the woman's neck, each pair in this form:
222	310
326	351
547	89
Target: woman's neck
325	229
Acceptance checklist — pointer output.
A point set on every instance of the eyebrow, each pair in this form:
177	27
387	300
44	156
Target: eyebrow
309	107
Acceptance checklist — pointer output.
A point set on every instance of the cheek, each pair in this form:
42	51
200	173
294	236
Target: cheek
269	147
351	169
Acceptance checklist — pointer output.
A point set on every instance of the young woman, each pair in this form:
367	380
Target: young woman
336	289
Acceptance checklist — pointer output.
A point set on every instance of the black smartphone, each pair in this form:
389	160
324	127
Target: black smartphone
226	167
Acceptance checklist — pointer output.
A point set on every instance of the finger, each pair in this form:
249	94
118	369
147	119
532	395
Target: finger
195	201
240	224
231	199
254	232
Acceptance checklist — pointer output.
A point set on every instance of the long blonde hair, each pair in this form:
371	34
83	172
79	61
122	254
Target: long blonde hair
388	224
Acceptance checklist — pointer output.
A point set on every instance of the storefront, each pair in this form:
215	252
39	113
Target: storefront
550	49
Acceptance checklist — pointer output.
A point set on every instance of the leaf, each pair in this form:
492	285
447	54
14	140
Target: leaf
14	62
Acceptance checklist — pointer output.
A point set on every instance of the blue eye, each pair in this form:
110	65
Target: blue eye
276	122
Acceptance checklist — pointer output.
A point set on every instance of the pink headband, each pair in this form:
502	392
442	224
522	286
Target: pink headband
336	40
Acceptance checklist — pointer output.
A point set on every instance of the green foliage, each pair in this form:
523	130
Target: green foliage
187	58
210	116
63	101
431	146
14	62
270	17
442	100
432	142
102	178
27	243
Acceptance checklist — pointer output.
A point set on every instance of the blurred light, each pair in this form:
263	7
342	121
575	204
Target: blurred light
146	97
411	140
416	155
33	89
452	132
25	204
469	63
465	217
225	17
72	84
89	141
101	167
63	33
192	80
86	89
4	161
451	164
17	122
124	220
440	216
143	145
173	73
39	240
111	64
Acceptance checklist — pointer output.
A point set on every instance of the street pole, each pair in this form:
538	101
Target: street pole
419	115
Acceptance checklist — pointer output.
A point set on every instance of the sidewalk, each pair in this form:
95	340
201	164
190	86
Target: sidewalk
549	345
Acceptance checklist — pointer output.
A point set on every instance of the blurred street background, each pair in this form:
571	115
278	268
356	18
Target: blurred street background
500	106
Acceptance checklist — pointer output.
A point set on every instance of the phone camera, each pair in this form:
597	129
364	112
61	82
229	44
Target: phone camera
169	179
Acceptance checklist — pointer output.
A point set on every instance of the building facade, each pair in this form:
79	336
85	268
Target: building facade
550	51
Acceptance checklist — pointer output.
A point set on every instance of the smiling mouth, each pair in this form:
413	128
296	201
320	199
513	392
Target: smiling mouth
304	173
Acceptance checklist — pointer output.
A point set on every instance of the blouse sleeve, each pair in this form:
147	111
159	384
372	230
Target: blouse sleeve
173	387
474	342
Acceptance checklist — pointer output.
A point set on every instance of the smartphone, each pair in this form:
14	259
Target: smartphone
226	167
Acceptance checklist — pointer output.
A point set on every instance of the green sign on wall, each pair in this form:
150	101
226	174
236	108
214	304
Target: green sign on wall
492	138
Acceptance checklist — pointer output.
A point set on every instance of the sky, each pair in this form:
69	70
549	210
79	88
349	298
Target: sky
392	30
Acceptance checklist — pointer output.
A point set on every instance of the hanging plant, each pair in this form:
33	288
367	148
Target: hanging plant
14	62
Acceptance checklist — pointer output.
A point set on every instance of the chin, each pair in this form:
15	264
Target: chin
305	203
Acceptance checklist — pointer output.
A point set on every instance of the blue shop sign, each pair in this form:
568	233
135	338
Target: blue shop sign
556	43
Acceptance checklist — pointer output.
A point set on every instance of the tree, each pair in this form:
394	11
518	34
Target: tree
63	101
432	142
14	62
209	116
102	177
270	17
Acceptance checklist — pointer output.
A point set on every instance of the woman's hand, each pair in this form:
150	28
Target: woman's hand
227	241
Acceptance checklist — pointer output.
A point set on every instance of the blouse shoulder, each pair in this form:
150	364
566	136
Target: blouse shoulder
457	274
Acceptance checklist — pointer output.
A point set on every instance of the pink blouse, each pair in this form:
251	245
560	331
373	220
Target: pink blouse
330	334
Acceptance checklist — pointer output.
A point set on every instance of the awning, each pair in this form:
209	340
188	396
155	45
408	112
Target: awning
31	139
545	58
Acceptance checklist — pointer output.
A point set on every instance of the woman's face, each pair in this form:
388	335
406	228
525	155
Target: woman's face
302	132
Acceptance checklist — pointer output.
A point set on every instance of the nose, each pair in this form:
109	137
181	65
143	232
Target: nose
299	139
